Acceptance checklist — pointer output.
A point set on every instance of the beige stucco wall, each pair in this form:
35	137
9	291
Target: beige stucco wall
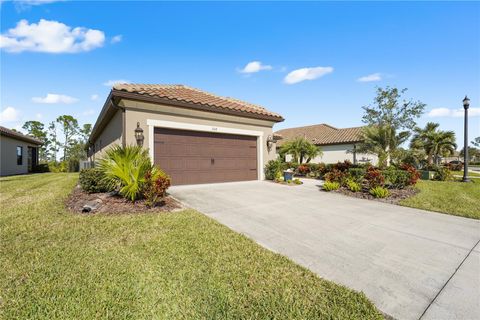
341	152
8	157
141	112
110	135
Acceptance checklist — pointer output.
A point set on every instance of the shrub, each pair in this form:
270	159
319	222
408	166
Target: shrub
336	176
317	170
353	186
73	165
93	181
297	181
342	166
278	177
330	186
396	178
379	192
313	174
42	167
273	167
357	174
155	187
443	174
314	167
374	178
61	166
303	169
414	173
125	169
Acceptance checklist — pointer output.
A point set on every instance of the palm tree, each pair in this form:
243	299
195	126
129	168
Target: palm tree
433	141
125	169
300	149
382	141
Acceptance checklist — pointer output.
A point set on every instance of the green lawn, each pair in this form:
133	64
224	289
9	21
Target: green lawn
455	198
59	265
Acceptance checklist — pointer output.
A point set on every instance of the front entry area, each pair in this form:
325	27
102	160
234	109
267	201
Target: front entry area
193	157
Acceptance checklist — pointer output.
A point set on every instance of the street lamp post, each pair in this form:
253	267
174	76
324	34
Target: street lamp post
466	104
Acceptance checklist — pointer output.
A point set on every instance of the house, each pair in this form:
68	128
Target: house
193	135
19	152
336	144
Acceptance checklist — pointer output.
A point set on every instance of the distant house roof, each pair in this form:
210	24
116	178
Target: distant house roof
322	134
19	136
192	96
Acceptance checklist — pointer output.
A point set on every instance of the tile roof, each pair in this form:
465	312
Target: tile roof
322	134
20	136
189	95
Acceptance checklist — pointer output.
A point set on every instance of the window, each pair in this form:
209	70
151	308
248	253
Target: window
19	156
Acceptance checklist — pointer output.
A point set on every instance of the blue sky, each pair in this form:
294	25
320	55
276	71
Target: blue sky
71	49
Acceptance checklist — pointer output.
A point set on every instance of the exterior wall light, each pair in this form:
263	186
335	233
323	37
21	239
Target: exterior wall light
139	135
270	142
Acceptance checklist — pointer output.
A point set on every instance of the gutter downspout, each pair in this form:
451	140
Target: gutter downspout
124	127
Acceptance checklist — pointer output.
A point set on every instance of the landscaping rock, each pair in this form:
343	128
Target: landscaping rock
92	206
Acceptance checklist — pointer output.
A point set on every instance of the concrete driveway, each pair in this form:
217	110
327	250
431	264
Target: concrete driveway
411	263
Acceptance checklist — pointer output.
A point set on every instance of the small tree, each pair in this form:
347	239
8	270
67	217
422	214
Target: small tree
386	119
52	148
382	141
434	142
69	126
36	129
85	131
300	149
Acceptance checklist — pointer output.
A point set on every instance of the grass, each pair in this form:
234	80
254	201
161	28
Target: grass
59	265
455	198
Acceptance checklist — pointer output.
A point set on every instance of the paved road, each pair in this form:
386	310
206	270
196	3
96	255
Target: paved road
411	263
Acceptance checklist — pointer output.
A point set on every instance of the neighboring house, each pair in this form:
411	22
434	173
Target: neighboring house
336	144
194	136
19	152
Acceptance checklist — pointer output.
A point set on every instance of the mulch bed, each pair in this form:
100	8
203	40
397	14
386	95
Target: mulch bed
396	195
113	203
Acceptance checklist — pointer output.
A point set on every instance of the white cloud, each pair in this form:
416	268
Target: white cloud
94	97
456	113
116	39
21	5
303	74
39	116
9	114
111	83
255	66
53	98
50	36
370	78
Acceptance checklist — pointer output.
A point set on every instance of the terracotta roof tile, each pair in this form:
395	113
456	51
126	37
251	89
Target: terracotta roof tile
322	134
182	93
17	135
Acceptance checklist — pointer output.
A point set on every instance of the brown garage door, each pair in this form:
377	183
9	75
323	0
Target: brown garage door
191	157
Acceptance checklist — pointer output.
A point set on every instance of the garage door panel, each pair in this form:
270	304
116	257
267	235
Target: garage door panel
191	157
197	164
